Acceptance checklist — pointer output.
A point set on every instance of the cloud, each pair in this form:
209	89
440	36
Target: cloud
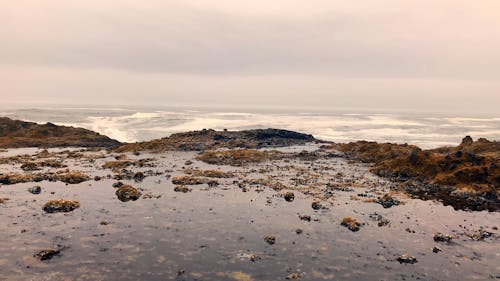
447	39
421	54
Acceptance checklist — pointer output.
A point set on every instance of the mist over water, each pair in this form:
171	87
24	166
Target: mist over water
131	124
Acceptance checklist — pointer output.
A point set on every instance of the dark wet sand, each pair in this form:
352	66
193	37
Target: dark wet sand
212	233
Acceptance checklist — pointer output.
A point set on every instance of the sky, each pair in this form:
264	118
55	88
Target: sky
413	54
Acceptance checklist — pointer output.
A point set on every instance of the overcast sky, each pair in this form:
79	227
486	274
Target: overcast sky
417	54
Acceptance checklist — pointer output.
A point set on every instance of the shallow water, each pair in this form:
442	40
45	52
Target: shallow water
210	233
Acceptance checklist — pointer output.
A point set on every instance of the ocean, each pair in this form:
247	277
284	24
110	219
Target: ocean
131	124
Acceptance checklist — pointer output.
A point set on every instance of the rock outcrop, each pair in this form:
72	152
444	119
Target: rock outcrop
15	134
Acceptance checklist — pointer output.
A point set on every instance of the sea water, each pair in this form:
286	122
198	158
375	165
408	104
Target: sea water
131	124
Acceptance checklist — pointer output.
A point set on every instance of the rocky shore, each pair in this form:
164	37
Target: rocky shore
252	205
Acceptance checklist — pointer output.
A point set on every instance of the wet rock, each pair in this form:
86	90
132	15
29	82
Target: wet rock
139	176
64	206
46	254
478	235
126	193
294	275
289	196
254	258
406	258
270	239
351	223
440	237
118	184
436	250
380	219
316	205
387	201
35	189
305	217
182	188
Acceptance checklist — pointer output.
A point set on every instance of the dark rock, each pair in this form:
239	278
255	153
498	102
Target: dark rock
35	189
467	141
317	205
117	184
139	176
380	219
47	254
270	239
406	258
305	217
289	196
440	237
387	201
436	250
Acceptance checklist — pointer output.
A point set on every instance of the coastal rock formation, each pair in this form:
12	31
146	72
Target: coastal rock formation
211	139
466	176
15	134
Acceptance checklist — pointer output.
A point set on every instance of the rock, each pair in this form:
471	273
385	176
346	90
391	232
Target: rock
436	250
35	189
289	196
467	141
270	239
182	188
440	237
294	275
254	258
381	220
139	176
3	200
305	217
46	254
478	235
126	193
97	178
298	231
387	201
352	224
56	206
188	162
316	205
16	134
117	184
406	258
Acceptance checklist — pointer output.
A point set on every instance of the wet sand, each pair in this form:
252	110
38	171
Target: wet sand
217	233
